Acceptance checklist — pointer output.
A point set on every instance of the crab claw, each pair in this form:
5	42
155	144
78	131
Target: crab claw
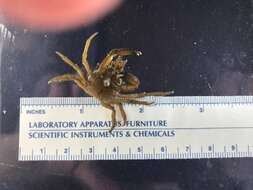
138	53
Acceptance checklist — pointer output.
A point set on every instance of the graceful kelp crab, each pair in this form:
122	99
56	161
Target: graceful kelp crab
109	83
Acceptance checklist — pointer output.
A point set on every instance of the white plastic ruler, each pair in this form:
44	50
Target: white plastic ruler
173	128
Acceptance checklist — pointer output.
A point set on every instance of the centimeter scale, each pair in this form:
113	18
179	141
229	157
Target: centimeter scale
174	128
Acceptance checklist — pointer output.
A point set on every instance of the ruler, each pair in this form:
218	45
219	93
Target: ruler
174	128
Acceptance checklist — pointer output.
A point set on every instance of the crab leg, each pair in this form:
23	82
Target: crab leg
140	102
124	52
85	54
116	52
108	106
119	100
143	94
68	77
123	113
71	64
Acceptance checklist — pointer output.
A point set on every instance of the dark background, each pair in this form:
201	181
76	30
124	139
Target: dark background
196	48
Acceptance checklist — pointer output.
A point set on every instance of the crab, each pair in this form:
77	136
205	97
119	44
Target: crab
108	83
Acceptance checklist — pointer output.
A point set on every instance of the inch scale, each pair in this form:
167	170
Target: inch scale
174	128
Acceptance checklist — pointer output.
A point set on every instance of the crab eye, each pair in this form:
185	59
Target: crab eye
107	82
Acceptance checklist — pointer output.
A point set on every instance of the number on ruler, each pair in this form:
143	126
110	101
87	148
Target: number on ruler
114	150
140	149
162	149
41	151
66	150
90	150
201	109
141	109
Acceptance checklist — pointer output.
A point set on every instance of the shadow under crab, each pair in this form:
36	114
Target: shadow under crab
109	83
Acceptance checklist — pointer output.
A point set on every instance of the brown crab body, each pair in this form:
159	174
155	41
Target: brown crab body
109	83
